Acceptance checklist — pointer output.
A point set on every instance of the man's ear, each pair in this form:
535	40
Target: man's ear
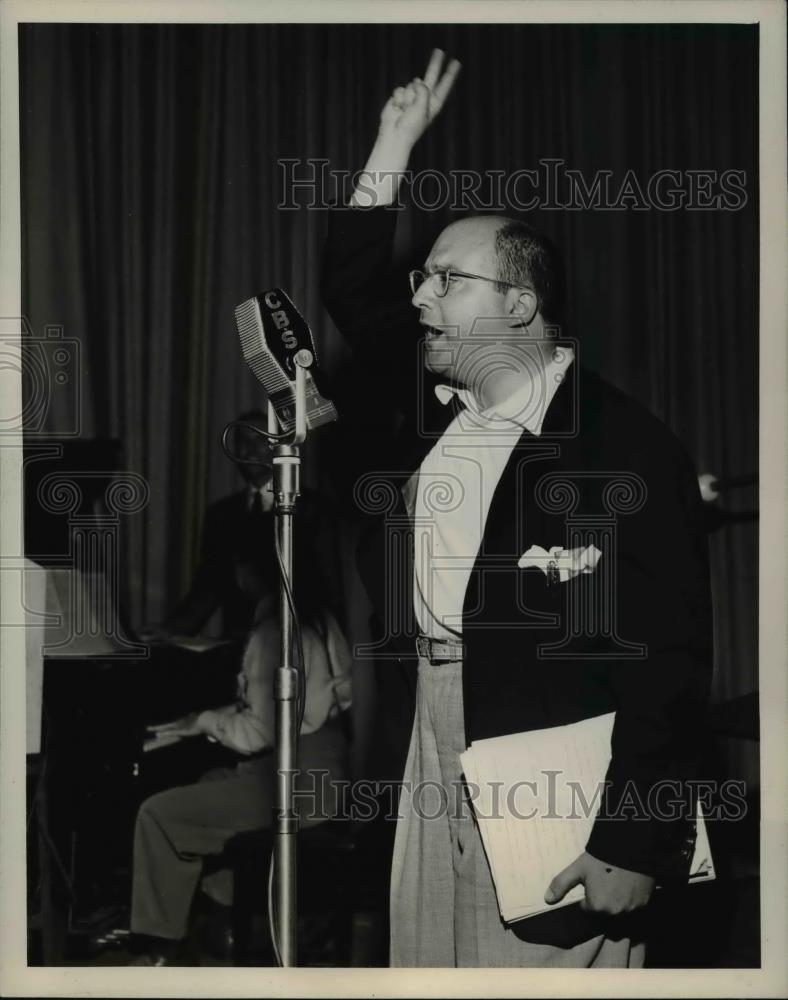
521	305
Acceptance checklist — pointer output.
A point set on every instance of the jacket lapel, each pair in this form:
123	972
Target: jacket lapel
515	521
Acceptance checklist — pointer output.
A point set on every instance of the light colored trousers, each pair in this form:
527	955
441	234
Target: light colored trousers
177	829
444	911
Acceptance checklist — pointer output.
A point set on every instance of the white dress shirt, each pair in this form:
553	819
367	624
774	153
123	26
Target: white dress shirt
248	725
450	494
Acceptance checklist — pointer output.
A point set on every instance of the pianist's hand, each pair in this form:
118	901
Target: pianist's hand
187	726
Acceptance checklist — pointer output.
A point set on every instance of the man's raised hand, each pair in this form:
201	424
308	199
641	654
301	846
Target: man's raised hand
405	116
412	108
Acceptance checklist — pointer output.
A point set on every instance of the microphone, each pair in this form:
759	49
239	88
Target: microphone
274	339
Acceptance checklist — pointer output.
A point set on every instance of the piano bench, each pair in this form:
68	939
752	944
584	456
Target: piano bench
326	893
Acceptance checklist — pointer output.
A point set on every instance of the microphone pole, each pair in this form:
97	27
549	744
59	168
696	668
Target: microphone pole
277	345
286	488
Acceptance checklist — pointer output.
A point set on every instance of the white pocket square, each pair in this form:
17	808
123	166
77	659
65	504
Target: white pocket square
568	563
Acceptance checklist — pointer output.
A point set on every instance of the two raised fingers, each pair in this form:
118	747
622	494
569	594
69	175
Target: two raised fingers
441	83
438	86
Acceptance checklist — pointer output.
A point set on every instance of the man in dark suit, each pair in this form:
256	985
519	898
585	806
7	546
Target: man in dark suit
509	446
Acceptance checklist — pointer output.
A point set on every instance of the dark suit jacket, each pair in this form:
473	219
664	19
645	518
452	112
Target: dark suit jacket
601	456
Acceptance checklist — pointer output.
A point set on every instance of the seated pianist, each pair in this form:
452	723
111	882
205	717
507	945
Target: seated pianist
177	829
238	566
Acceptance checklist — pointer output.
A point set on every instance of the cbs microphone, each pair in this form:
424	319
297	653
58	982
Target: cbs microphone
274	339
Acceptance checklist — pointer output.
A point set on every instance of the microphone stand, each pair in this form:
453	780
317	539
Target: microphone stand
286	487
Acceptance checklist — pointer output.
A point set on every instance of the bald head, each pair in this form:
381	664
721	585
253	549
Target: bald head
475	235
511	251
477	227
468	245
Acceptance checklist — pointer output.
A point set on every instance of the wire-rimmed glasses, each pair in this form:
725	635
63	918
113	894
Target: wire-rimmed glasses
442	277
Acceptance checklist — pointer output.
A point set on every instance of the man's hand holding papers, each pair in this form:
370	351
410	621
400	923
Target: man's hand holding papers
608	890
535	795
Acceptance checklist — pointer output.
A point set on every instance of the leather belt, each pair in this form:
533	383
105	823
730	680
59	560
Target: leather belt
440	650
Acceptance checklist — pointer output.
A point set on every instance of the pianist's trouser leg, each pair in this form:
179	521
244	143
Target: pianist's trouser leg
178	828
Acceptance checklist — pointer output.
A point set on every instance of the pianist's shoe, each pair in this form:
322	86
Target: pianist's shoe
150	959
156	952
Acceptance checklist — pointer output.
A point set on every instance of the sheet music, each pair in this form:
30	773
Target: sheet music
536	795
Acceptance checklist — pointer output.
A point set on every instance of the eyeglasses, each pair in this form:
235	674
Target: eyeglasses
442	278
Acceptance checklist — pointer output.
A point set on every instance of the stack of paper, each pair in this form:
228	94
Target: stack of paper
535	795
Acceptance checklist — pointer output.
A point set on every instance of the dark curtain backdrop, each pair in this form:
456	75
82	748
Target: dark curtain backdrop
150	191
